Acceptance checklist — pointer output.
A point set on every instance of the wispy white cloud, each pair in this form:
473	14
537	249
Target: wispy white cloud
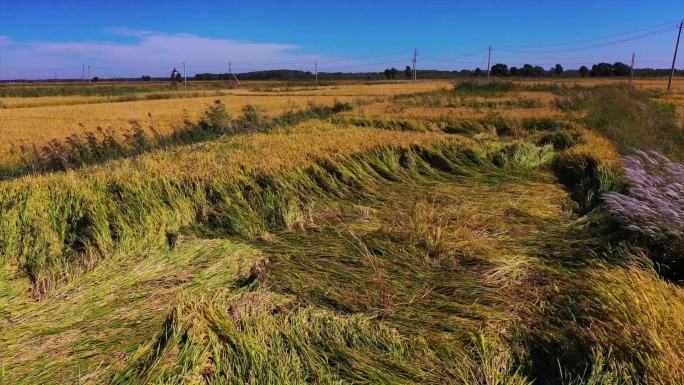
5	40
130	32
154	53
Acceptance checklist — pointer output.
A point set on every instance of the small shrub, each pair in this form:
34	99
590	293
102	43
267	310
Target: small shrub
136	138
253	119
216	117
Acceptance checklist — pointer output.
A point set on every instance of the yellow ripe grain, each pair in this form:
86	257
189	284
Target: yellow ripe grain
633	301
596	146
243	154
37	125
644	83
393	111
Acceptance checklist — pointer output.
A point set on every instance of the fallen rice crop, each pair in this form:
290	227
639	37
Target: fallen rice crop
377	246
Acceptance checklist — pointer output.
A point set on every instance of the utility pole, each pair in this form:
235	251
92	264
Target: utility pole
489	59
316	70
415	59
631	70
185	76
83	74
674	58
89	78
230	73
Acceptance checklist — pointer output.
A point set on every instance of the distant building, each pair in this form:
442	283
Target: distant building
174	73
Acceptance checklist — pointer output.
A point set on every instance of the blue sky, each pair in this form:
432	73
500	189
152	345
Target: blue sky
41	38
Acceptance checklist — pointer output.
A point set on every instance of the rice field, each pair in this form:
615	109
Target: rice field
36	120
387	233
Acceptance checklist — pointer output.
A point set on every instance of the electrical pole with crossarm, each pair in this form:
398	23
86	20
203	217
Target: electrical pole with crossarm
489	60
674	58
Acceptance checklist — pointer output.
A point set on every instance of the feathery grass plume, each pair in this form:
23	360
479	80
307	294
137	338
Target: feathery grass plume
654	206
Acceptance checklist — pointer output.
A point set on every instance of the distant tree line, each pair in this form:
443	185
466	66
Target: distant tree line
607	69
392	73
597	70
499	69
208	76
526	71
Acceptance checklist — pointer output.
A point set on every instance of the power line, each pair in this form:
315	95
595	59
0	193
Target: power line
432	59
361	65
669	23
615	42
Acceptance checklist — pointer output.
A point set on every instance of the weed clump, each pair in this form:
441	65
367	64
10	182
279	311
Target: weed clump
216	117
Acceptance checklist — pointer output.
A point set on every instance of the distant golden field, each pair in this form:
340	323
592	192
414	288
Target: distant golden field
36	120
539	104
60	116
650	83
